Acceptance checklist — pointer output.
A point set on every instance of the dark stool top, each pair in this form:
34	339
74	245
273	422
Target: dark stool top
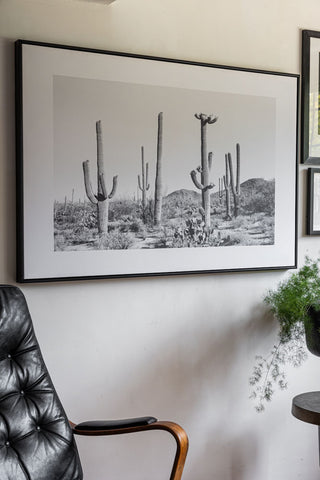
306	407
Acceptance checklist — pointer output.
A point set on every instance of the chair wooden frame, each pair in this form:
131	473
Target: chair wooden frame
174	429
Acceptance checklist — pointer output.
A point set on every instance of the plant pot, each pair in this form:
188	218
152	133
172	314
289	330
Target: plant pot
313	332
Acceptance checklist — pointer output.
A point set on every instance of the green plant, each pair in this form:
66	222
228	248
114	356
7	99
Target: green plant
289	303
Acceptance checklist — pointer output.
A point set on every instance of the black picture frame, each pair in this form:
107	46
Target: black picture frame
310	97
313	201
59	105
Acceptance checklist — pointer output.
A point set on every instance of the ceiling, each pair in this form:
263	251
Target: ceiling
103	2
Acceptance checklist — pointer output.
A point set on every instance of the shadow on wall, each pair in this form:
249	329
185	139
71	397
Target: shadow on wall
7	162
197	382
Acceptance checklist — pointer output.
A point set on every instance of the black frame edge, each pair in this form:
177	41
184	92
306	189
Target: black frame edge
19	162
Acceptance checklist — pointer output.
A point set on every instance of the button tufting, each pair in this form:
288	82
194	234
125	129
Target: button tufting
31	417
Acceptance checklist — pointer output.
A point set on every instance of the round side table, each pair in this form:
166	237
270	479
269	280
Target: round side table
306	407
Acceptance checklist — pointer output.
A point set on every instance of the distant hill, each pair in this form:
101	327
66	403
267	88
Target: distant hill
256	184
257	195
249	187
182	195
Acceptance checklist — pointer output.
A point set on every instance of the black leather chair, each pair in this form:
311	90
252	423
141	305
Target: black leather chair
36	438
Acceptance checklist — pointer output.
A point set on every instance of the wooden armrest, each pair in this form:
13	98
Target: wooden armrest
140	424
103	425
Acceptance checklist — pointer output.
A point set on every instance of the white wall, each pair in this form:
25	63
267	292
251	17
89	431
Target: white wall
179	348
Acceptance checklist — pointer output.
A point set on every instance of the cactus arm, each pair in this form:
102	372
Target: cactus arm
238	168
102	188
212	119
227	172
208	187
114	186
143	169
231	174
100	166
235	188
224	181
147	175
143	180
87	183
195	180
202	213
206	118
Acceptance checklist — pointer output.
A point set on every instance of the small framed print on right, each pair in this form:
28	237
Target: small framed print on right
313	203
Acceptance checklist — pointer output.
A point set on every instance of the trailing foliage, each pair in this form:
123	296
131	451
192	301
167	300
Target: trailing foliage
290	304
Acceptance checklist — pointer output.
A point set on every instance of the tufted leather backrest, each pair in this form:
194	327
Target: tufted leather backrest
36	441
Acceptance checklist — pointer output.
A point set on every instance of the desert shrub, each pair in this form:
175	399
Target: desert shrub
239	238
122	208
134	225
267	223
147	214
115	240
194	233
240	222
262	200
59	242
82	235
66	216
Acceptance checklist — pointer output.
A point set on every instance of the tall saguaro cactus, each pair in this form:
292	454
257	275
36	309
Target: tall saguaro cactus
227	188
143	180
206	162
101	198
158	182
235	187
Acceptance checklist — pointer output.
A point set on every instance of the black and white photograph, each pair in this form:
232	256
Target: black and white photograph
150	166
158	170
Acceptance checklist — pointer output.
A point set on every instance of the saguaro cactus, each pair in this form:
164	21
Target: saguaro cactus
220	190
158	182
206	162
101	198
235	187
227	188
143	181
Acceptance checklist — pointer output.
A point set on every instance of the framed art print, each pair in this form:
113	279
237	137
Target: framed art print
129	165
310	120
313	202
